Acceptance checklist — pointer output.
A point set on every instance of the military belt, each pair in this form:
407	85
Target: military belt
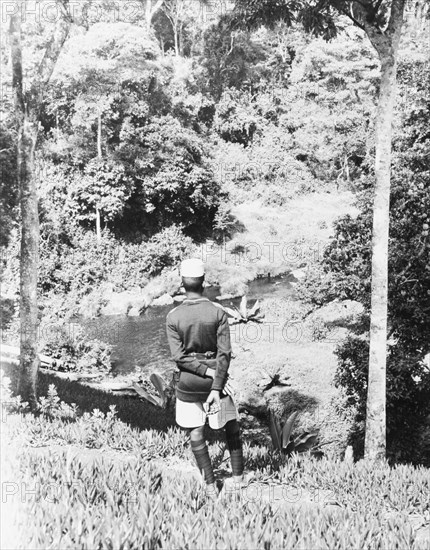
205	355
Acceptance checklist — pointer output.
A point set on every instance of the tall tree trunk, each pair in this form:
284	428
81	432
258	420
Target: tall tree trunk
29	254
180	39
387	47
29	262
98	225
99	136
148	18
27	108
175	34
150	11
99	156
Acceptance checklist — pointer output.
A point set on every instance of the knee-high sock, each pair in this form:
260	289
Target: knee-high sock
234	444
201	454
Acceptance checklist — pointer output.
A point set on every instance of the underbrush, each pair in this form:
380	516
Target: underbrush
136	505
95	430
110	502
77	271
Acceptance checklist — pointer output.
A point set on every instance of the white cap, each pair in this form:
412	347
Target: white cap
192	268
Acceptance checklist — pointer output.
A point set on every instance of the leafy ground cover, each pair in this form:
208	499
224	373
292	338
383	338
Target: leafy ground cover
129	499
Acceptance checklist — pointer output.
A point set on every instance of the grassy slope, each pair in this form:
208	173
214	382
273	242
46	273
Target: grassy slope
276	239
306	218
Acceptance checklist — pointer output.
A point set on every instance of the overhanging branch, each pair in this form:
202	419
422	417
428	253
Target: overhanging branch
351	17
52	52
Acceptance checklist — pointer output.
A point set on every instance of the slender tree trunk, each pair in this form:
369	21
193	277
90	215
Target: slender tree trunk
387	47
98	225
180	39
29	254
150	11
99	136
99	156
347	168
29	262
175	34
27	118
376	394
148	17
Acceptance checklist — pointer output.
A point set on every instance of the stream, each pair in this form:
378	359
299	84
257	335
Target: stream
140	342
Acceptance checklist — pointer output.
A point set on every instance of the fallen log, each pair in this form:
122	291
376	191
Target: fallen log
14	351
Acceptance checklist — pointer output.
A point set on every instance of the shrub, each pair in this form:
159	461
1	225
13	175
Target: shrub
408	398
174	182
235	119
166	249
76	276
73	353
53	406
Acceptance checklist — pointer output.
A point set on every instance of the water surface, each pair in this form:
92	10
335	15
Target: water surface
140	342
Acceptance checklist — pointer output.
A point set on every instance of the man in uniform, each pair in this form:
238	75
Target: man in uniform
199	338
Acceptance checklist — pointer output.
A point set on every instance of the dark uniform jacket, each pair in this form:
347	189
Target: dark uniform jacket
199	326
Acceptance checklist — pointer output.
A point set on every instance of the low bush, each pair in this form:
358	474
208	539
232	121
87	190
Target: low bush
72	352
75	275
408	398
235	118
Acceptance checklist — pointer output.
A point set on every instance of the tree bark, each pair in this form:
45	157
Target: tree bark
27	108
99	136
175	34
180	39
150	11
98	225
99	156
29	256
386	45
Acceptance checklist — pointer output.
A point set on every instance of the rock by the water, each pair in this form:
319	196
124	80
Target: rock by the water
179	298
225	297
121	303
298	274
164	300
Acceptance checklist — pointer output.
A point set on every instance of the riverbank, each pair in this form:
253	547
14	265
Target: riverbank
272	241
292	343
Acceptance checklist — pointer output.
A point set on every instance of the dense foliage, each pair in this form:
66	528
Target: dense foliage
152	141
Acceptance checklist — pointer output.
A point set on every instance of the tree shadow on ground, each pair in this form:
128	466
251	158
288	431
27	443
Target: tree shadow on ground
131	410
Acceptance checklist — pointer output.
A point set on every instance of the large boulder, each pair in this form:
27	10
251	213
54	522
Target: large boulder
121	303
163	300
339	312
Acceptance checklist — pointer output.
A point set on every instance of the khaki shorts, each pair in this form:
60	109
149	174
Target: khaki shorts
192	415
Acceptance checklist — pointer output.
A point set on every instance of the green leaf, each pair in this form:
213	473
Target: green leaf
288	428
275	431
242	307
232	312
306	443
143	393
160	386
255	309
